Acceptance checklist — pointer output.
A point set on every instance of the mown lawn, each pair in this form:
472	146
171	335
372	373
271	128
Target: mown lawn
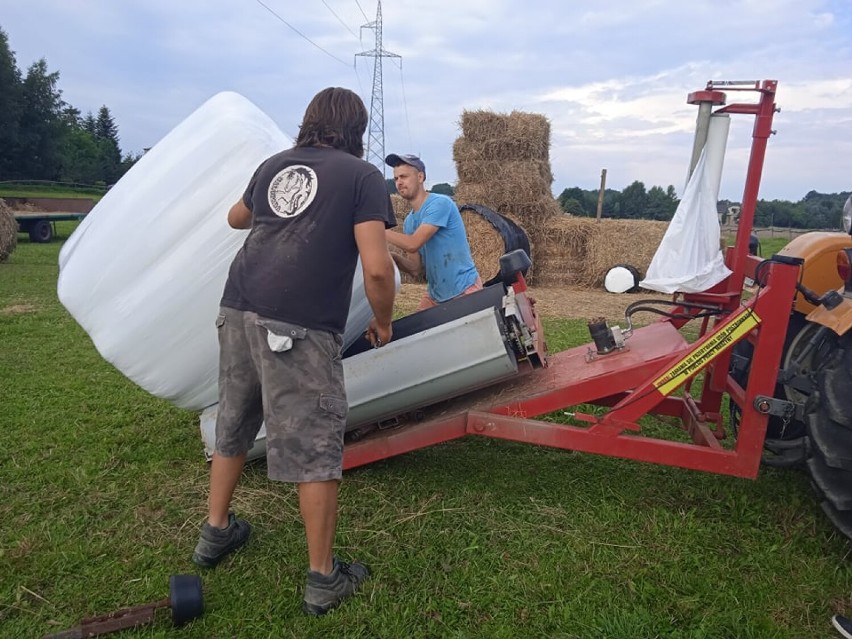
103	488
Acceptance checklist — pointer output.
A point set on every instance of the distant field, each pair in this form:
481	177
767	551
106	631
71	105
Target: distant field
25	190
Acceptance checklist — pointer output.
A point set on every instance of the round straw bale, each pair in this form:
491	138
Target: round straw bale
531	207
401	208
491	236
8	232
486	243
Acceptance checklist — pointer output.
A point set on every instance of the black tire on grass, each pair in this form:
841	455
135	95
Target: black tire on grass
830	437
41	232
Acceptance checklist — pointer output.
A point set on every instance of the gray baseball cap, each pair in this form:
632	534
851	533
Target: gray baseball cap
411	160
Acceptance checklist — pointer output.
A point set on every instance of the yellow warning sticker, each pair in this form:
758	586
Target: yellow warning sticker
738	326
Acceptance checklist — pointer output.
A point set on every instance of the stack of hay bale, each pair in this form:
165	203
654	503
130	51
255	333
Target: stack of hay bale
503	162
8	231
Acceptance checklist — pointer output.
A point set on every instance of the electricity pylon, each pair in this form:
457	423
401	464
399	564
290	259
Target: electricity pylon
376	135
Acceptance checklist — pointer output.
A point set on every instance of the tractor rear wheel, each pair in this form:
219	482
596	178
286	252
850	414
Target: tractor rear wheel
785	440
830	436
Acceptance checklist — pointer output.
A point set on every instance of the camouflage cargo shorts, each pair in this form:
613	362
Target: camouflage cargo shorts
291	378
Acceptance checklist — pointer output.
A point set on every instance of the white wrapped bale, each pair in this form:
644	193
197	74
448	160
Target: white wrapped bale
143	274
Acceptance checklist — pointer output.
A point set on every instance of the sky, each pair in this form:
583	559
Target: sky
612	77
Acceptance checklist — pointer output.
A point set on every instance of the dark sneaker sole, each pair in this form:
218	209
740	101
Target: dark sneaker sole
212	562
318	611
207	562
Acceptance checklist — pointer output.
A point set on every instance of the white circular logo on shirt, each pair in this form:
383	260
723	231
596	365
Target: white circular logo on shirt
292	190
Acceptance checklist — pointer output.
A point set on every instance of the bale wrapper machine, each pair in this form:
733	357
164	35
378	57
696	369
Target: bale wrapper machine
632	372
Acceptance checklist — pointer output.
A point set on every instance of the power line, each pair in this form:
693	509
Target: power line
341	21
405	105
362	11
301	34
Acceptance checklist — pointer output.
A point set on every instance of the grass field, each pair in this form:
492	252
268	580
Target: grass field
103	489
56	190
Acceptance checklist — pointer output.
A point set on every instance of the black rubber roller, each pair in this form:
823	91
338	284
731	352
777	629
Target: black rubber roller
186	598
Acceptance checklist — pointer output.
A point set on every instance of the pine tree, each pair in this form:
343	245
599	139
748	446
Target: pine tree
10	109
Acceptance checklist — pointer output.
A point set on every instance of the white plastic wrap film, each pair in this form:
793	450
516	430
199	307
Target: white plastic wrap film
718	127
143	274
716	145
689	258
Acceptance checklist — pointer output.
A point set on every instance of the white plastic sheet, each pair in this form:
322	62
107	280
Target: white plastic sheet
689	258
143	274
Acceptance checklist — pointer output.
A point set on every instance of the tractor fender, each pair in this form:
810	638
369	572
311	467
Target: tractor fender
838	319
819	251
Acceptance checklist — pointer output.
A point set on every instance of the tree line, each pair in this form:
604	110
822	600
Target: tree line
814	211
44	138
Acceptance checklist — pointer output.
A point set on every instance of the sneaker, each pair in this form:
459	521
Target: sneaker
324	592
215	544
843	625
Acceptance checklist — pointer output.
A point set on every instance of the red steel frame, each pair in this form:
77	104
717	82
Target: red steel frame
654	375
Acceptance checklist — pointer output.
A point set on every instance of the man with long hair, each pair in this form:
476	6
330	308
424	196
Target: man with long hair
312	210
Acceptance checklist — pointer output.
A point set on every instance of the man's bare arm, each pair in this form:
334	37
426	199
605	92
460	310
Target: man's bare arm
379	284
412	243
239	217
409	263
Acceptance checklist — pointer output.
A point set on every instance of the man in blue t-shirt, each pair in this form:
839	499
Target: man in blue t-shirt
434	240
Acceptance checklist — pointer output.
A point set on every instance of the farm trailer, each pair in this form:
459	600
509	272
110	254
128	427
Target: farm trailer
38	216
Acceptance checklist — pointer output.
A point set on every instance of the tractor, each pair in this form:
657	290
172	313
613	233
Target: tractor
810	422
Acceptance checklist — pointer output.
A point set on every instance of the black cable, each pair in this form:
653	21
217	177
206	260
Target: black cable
362	11
639	306
300	33
346	26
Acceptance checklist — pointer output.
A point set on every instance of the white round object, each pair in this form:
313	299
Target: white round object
619	279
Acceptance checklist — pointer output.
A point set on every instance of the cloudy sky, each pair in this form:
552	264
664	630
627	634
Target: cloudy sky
612	77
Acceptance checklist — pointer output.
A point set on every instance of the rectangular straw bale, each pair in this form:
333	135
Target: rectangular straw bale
560	247
503	149
482	126
532	171
579	251
632	242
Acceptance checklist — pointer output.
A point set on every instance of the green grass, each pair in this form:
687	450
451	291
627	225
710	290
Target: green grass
769	246
56	190
103	488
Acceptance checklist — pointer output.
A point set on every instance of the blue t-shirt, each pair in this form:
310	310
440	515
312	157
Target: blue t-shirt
446	256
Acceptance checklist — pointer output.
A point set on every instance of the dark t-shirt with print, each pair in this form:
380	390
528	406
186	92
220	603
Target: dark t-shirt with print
298	261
